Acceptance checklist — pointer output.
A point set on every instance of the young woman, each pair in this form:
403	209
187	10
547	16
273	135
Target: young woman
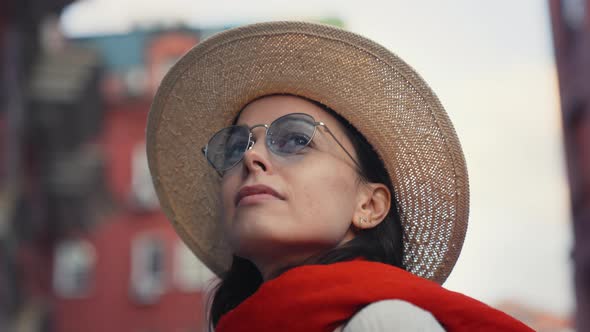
330	192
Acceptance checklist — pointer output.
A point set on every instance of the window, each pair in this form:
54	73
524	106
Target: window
144	195
136	81
164	66
73	268
189	273
148	268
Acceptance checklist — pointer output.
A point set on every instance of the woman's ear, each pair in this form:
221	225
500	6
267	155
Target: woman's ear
373	204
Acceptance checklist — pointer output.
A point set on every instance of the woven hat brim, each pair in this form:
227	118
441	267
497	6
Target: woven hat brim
383	97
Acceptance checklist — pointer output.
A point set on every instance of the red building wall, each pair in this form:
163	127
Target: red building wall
110	301
110	305
124	128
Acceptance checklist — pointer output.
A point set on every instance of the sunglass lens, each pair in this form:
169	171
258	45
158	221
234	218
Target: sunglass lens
226	148
290	134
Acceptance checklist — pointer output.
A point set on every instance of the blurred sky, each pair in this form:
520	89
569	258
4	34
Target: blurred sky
491	64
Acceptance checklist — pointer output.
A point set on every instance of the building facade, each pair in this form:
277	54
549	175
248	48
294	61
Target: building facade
85	246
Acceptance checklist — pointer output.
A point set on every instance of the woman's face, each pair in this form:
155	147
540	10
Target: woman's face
315	191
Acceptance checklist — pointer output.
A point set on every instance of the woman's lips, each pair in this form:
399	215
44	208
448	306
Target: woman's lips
256	198
255	194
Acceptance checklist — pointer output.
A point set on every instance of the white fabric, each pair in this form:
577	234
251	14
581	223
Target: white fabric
392	315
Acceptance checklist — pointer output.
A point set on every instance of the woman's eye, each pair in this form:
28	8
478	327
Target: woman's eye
292	143
298	140
234	150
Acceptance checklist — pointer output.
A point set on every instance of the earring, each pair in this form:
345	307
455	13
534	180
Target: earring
363	220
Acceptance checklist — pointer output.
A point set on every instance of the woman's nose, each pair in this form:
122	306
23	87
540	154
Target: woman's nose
257	157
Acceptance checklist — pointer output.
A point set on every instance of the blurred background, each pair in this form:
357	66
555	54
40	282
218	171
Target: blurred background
84	247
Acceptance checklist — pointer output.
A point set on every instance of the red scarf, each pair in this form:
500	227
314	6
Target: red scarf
322	297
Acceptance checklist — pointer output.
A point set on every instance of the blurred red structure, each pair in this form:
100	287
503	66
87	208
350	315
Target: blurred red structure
132	267
571	34
83	245
113	300
132	283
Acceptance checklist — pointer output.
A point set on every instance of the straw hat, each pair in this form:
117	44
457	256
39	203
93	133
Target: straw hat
372	88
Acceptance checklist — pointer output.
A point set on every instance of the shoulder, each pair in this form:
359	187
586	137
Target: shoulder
392	315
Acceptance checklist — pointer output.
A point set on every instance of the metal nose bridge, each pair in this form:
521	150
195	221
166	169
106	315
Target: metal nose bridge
251	141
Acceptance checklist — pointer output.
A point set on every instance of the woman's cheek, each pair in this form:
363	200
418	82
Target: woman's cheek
329	192
228	209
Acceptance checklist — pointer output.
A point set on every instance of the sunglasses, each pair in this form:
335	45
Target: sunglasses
285	136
